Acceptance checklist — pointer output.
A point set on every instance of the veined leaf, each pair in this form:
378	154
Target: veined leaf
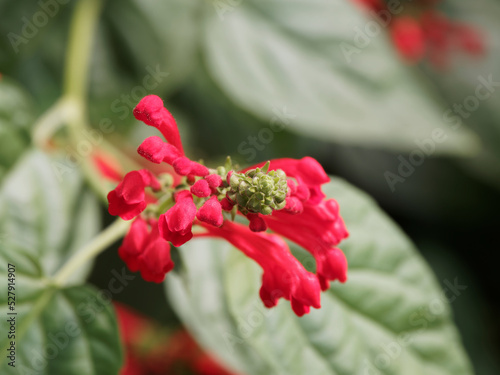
297	54
43	221
390	317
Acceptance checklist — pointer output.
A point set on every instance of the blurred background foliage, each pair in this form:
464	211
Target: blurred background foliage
226	69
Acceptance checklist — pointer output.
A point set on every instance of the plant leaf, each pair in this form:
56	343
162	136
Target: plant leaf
43	221
388	318
44	216
16	117
267	57
57	331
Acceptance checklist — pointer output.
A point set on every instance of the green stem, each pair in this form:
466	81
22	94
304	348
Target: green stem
100	243
71	109
53	119
81	35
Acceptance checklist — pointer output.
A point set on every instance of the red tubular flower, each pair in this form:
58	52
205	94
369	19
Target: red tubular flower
317	226
184	167
214	181
107	166
156	151
145	251
283	275
211	212
257	224
283	195
408	37
317	229
469	39
155	260
205	365
151	111
201	189
151	350
176	224
422	31
374	5
129	199
133	244
227	205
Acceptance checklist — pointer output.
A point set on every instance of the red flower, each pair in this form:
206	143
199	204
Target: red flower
375	5
107	166
211	212
150	349
176	223
144	250
201	189
151	111
408	37
422	31
318	228
129	198
284	276
283	195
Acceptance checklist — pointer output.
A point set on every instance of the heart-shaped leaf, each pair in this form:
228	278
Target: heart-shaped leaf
390	317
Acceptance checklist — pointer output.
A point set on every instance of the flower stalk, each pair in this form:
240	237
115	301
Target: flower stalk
100	243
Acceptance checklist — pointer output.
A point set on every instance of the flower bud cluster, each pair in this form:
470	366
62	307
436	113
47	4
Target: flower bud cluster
258	190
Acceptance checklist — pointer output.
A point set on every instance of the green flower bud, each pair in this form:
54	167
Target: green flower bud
258	191
221	171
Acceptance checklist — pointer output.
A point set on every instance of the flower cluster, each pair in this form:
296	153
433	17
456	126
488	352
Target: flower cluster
282	195
420	30
152	350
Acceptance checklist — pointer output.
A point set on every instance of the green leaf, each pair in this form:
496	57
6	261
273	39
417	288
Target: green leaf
46	216
67	331
267	57
388	318
16	117
43	221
